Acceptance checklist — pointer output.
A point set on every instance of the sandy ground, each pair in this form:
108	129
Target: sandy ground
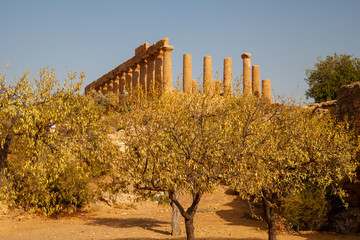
220	216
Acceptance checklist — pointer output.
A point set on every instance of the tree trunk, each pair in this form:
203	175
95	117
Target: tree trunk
175	225
4	151
188	214
269	212
190	230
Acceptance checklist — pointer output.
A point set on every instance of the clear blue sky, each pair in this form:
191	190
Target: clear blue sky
284	37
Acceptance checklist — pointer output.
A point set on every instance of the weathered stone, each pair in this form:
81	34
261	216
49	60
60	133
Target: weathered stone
227	77
143	76
348	103
159	84
122	84
256	81
266	90
246	73
136	78
141	49
187	74
167	68
207	77
104	88
129	81
150	75
142	53
116	86
111	86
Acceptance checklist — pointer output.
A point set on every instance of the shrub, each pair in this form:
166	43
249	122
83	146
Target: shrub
307	210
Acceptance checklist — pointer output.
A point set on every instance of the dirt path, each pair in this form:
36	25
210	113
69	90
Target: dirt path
220	216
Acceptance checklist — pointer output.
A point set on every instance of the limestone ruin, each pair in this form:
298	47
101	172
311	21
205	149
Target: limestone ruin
150	71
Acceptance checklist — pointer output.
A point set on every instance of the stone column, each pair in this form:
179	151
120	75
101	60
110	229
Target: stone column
246	74
227	77
136	78
122	84
111	86
150	75
256	81
167	68
207	77
143	76
159	73
187	74
99	89
104	88
116	85
266	90
129	81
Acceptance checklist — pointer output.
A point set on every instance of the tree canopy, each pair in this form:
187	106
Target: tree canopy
277	149
174	144
330	74
189	144
52	143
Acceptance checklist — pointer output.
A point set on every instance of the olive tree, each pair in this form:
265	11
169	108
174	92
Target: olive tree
330	74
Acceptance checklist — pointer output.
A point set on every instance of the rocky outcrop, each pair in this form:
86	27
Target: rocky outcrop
323	107
346	106
348	103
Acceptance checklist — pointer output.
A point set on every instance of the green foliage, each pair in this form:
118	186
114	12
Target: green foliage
306	210
330	74
58	145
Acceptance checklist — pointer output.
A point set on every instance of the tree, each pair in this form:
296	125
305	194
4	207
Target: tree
174	144
276	149
52	142
330	74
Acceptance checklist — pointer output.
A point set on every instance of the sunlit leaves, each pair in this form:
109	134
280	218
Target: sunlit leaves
58	143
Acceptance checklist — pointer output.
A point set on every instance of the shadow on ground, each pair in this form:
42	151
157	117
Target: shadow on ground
145	223
237	212
184	238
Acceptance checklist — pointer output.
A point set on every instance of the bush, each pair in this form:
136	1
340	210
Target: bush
47	187
57	144
307	210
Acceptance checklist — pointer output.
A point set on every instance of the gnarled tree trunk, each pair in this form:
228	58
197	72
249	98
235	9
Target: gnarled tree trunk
188	214
269	212
189	226
175	225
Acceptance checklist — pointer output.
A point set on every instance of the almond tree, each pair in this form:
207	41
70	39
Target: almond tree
56	141
174	144
275	149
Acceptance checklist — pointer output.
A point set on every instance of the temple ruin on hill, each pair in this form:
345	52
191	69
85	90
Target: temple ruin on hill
150	70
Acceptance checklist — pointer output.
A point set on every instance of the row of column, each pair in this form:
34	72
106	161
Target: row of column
146	76
251	78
